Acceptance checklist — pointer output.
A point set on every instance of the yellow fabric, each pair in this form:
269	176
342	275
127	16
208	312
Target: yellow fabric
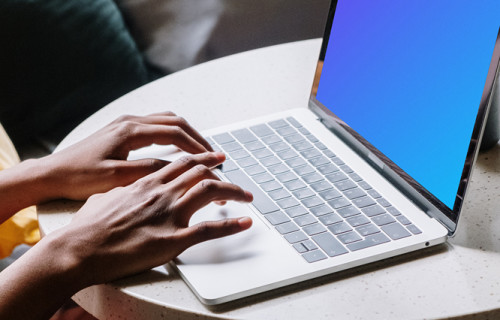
23	226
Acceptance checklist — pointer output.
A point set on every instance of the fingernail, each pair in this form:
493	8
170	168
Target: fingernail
249	196
245	222
220	156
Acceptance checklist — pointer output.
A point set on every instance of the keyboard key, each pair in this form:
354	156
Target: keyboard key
287	203
329	244
370	241
313	256
319	161
413	229
228	165
348	211
238	154
329	153
303	193
312	202
277	217
373	210
278	124
383	219
338	203
349	237
355	177
270	139
338	228
304	170
346	168
262	153
261	130
309	245
244	135
403	220
311	178
253	170
231	146
354	193
304	131
309	154
305	220
279	194
286	176
223	138
294	185
270	161
246	162
336	177
260	200
296	211
321	186
395	212
395	231
313	229
287	154
263	177
364	185
312	138
294	122
357	220
296	236
330	194
329	168
277	169
321	210
330	219
345	185
280	146
320	146
286	227
383	202
300	247
337	161
363	202
295	162
255	145
302	146
286	131
294	138
374	194
270	186
367	229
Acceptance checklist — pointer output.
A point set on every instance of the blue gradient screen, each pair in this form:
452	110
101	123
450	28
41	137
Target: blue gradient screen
408	76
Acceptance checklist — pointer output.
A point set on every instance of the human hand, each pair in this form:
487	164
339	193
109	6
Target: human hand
143	225
99	163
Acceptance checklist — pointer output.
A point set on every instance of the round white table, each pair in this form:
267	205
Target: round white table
461	278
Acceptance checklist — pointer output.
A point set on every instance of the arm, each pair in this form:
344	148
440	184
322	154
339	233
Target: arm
122	232
96	164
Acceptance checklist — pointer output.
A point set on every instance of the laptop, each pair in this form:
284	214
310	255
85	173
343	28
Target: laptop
376	166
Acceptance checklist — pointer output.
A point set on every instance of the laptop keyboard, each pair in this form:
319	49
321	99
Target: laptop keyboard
311	197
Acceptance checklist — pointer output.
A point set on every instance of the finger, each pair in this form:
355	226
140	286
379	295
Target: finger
130	171
186	163
187	180
147	134
205	192
214	229
170	119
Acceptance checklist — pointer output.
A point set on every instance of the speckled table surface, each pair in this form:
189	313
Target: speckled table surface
458	279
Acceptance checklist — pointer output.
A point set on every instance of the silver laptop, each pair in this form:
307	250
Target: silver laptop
379	163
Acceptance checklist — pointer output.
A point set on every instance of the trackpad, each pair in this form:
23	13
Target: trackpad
242	245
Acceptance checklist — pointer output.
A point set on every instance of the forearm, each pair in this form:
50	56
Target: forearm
39	282
22	186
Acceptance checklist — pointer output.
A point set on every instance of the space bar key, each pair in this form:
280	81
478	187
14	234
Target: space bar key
260	200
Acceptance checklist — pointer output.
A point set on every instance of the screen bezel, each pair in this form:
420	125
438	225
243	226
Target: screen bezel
411	188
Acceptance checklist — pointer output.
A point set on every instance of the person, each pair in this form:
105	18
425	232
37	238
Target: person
136	215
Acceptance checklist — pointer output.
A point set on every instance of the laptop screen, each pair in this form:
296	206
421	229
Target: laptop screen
408	76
